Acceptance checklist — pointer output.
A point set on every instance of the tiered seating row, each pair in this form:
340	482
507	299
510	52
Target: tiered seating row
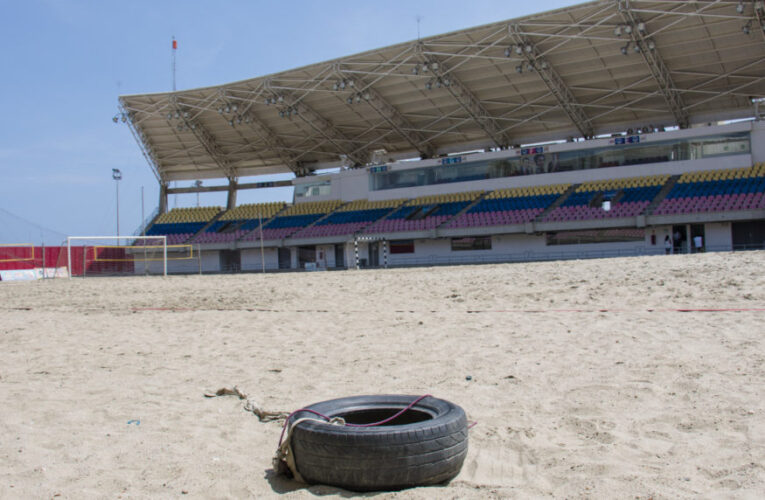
719	190
179	224
510	206
424	213
192	214
350	218
716	191
630	198
293	219
239	221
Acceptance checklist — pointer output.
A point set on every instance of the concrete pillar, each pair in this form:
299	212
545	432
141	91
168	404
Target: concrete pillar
162	197
232	189
294	262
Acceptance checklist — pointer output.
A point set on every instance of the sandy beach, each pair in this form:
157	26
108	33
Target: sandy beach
588	379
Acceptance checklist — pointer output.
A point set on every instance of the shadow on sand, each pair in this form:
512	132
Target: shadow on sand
282	484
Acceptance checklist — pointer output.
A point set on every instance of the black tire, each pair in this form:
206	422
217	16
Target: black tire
426	445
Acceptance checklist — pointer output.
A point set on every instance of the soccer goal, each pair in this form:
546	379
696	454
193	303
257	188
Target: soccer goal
123	256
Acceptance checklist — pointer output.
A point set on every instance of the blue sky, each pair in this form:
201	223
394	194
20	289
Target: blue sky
64	63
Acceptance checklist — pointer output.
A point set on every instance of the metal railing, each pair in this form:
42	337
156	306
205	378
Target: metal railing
531	256
145	223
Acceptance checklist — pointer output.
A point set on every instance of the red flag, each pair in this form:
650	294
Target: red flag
175	44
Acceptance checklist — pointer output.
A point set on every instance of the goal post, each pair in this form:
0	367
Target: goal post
113	255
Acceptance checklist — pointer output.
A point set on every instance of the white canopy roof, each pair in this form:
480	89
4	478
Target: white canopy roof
595	68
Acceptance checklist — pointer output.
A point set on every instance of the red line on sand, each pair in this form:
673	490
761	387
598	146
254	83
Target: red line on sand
469	311
172	309
742	309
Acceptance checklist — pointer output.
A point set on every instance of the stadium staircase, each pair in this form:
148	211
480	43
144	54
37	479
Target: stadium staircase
263	223
391	212
661	195
561	199
325	216
210	223
464	210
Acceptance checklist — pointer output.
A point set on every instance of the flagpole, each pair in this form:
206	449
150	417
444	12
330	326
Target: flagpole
175	47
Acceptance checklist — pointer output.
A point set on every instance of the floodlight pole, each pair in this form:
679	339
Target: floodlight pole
117	176
143	217
197	184
262	253
69	255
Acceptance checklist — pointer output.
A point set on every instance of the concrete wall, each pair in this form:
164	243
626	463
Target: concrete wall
210	261
349	185
439	251
758	141
719	236
251	259
521	247
325	256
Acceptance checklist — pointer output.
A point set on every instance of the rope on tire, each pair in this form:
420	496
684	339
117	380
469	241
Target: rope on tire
249	404
284	459
284	455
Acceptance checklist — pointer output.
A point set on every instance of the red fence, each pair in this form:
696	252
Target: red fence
93	260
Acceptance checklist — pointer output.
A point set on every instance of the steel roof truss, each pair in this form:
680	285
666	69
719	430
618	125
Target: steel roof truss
211	146
393	117
656	65
322	126
469	102
554	83
143	144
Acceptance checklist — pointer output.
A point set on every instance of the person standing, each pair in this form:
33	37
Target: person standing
667	245
698	242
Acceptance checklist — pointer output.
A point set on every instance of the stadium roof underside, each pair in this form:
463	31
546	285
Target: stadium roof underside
590	69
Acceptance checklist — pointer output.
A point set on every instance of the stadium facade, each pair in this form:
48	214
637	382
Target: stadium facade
606	128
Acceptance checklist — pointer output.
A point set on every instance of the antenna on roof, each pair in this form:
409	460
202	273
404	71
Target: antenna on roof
175	47
419	18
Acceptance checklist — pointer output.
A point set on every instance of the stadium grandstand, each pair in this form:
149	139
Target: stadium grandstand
601	129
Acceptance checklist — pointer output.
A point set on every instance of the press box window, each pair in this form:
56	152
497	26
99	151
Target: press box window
315	189
480	243
402	246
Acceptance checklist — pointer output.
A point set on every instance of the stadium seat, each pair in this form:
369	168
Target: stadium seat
349	219
293	219
509	206
716	191
180	224
629	197
424	213
239	221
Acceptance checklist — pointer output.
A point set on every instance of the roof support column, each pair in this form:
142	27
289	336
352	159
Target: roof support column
233	187
162	197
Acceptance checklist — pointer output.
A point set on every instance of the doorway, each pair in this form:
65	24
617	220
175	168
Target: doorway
285	258
230	261
748	235
339	255
698	239
306	255
374	254
679	239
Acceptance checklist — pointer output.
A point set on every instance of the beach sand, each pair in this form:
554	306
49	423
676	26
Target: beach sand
586	380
